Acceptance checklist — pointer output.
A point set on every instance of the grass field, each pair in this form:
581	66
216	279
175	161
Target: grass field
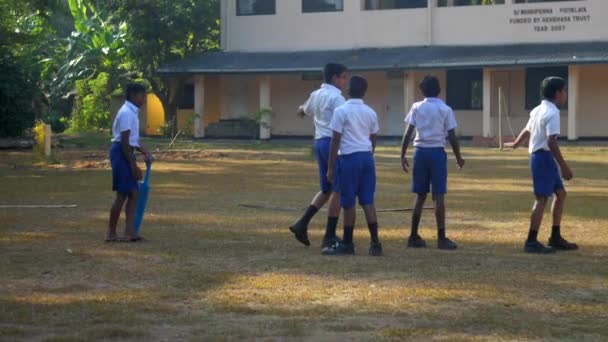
213	271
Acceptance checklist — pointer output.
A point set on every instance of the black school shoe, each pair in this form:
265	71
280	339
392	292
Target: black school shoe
375	249
301	232
446	244
562	244
340	248
535	247
416	242
330	242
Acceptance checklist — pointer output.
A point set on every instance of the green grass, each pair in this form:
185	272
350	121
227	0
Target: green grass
214	271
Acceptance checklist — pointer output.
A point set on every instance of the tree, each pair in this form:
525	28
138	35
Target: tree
20	33
163	31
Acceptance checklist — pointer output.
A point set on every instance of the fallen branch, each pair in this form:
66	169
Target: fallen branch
275	208
18	206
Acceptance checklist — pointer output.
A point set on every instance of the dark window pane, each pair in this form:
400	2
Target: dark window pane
446	3
312	6
465	89
187	97
255	7
534	78
394	4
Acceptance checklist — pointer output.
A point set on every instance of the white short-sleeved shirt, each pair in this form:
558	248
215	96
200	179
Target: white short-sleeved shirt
321	104
544	122
356	121
432	119
127	119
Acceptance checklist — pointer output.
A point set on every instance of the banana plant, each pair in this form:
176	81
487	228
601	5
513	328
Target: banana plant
95	45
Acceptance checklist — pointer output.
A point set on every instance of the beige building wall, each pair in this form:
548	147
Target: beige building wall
592	113
238	97
290	29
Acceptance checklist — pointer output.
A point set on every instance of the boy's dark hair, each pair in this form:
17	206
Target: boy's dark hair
430	86
550	87
331	70
357	87
133	89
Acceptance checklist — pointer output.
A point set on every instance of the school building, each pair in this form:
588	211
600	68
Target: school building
482	51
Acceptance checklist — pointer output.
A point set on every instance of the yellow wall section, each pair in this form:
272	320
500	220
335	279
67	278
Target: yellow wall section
155	115
213	109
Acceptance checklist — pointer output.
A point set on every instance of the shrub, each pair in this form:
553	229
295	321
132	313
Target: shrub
92	107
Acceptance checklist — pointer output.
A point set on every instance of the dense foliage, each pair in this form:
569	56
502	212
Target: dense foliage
60	60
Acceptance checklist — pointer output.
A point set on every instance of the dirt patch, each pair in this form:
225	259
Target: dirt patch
188	155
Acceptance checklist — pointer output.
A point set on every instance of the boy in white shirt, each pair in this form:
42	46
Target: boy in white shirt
542	131
125	172
354	127
433	121
321	104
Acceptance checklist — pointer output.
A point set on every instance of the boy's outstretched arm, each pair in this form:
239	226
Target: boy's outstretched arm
407	137
557	153
455	147
333	155
523	137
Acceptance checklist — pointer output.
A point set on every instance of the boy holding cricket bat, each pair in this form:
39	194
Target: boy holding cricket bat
433	121
125	172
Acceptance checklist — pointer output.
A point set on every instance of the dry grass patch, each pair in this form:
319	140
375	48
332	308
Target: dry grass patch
212	270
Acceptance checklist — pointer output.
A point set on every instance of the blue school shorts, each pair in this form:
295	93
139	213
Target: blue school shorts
322	149
122	177
357	179
430	168
545	174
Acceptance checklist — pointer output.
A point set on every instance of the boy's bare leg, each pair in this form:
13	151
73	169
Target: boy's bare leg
334	205
320	199
330	238
537	217
130	212
442	242
372	221
417	214
532	245
556	240
115	216
440	214
558	206
370	213
415	241
300	228
350	215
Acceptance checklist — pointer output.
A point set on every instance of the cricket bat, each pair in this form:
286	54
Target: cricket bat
142	201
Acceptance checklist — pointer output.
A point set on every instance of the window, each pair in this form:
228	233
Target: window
313	6
534	78
186	100
535	1
465	89
255	7
450	3
312	76
394	4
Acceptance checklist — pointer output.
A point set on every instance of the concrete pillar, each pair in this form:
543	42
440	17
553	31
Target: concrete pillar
573	91
409	91
265	105
199	106
429	24
487	103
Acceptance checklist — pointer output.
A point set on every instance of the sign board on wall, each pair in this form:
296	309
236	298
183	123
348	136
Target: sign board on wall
550	19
